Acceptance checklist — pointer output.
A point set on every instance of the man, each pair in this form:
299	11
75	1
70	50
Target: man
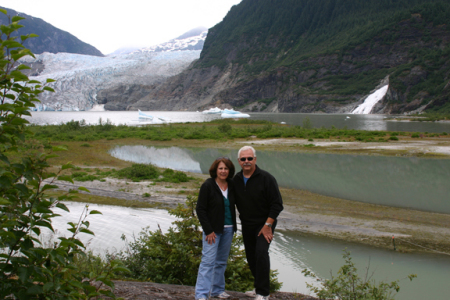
259	203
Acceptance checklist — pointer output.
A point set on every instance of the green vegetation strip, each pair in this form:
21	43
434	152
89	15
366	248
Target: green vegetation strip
214	130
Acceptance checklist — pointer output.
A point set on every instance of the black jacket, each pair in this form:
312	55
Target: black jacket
211	208
259	199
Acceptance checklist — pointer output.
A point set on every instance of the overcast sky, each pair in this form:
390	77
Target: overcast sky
112	24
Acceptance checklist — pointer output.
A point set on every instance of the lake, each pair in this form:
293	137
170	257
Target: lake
291	252
408	182
363	122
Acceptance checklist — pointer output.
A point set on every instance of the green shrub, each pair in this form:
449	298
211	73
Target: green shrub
393	138
415	135
349	286
170	175
28	268
174	257
139	172
225	128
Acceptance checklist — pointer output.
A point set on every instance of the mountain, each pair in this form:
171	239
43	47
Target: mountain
114	81
191	40
318	56
51	39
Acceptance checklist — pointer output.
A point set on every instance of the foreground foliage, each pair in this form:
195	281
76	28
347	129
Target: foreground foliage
29	269
349	286
174	257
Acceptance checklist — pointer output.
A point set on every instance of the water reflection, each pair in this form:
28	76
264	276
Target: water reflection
323	256
359	122
291	252
173	158
412	182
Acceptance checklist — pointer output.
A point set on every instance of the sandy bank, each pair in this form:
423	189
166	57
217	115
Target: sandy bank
407	146
309	213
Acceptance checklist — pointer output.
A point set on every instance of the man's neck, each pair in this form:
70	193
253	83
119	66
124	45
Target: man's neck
248	174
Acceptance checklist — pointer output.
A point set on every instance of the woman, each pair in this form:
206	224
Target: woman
217	215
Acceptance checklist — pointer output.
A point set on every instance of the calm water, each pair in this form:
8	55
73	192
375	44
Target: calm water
290	252
411	182
363	122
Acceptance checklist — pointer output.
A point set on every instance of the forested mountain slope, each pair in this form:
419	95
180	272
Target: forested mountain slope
318	56
51	39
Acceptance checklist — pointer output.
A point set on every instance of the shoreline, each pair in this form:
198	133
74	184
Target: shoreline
307	212
304	212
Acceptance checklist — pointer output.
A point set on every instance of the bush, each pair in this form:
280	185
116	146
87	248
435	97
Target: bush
170	175
139	172
225	128
174	257
393	138
349	286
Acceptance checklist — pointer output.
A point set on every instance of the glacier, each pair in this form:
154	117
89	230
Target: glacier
80	77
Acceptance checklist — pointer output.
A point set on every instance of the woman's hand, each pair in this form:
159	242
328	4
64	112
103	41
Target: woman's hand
211	238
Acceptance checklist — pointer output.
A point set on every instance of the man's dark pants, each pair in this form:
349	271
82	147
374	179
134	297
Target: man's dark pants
257	253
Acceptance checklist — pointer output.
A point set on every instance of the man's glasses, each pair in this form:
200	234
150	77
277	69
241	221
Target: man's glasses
246	158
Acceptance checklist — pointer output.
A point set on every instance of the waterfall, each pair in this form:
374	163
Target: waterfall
371	100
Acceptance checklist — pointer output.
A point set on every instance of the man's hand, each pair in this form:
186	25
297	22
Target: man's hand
266	231
211	238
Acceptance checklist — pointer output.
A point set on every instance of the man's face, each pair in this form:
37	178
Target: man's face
246	165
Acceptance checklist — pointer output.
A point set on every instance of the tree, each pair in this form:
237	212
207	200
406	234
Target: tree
29	270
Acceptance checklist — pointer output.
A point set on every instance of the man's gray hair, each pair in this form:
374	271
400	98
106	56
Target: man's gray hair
247	148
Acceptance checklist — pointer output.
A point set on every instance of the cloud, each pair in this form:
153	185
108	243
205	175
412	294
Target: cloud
109	25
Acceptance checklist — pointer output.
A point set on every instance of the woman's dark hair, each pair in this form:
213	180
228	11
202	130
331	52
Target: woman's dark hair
215	165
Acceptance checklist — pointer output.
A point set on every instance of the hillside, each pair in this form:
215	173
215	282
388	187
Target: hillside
51	39
318	56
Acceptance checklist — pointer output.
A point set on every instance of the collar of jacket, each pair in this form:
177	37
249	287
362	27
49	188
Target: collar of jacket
257	171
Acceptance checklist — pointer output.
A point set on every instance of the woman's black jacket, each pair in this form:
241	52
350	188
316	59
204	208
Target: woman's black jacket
211	208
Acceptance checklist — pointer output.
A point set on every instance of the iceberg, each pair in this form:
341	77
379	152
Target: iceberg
153	119
231	113
214	110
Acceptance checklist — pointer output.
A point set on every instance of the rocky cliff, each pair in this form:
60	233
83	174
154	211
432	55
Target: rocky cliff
246	67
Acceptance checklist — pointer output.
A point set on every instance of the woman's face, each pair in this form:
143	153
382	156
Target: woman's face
222	171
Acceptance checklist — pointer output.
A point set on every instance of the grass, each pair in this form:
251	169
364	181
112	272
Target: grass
95	199
94	163
218	130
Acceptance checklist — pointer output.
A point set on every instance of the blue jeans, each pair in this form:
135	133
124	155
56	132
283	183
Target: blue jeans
211	273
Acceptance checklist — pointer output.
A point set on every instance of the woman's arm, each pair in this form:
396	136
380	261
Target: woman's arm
202	208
